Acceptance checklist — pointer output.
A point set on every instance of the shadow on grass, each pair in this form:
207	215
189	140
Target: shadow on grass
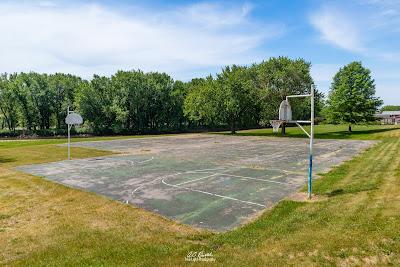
7	159
324	135
346	134
352	190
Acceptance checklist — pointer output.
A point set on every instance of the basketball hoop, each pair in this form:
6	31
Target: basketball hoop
275	125
72	119
285	115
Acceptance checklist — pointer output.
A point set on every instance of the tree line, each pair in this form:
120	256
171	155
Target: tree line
133	102
390	108
138	102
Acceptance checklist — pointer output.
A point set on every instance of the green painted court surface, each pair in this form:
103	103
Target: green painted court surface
211	181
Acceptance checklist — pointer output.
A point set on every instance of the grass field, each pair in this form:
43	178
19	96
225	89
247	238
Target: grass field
355	222
360	132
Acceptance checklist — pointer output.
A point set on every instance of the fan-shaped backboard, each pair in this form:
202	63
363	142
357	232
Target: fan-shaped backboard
73	119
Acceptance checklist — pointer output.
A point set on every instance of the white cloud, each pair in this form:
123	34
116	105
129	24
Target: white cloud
369	28
386	14
92	38
324	72
338	29
212	15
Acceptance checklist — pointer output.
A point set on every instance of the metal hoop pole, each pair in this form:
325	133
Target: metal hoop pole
69	142
69	137
311	145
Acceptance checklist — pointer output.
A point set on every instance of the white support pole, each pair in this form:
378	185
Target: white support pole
69	137
69	142
294	96
72	119
311	135
304	130
300	122
311	145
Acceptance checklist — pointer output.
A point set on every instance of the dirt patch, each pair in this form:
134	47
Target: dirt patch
303	197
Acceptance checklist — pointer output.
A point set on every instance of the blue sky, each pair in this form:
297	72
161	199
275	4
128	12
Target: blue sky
189	39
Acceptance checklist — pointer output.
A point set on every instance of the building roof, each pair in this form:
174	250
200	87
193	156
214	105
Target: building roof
388	114
391	112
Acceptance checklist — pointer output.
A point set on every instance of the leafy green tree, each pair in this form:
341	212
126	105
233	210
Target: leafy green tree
146	101
42	98
231	99
160	87
132	99
282	76
390	108
201	104
8	105
22	87
238	96
63	88
34	98
352	97
178	95
95	101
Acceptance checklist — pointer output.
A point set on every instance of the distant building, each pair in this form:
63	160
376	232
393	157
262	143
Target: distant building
389	117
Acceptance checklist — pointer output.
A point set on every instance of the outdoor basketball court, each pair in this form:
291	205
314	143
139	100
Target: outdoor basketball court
211	181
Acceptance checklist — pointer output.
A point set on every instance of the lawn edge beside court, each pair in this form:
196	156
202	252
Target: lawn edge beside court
356	225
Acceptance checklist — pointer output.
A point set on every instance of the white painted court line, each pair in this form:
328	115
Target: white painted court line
172	175
205	177
101	161
236	176
147	160
212	194
258	179
208	176
139	162
201	178
217	195
158	178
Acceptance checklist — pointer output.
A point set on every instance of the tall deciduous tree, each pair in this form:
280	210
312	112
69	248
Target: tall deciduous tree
178	95
390	108
132	99
230	99
238	96
201	103
63	88
160	87
8	107
95	102
145	101
282	76
352	97
23	87
42	98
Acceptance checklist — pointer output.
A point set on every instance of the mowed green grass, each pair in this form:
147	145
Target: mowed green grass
354	223
328	131
11	143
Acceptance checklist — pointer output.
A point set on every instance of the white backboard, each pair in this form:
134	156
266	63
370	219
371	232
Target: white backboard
285	111
73	119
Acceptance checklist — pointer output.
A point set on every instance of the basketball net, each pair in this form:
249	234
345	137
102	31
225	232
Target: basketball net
275	125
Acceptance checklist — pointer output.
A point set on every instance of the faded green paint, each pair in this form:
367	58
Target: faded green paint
211	181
